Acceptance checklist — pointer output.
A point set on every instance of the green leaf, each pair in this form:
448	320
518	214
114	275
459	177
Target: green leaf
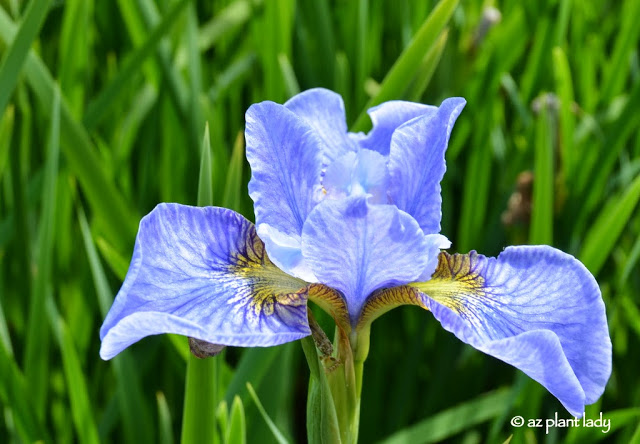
630	311
14	393
231	18
237	430
428	67
6	131
635	439
593	176
74	54
134	412
288	74
322	418
5	338
165	431
450	422
253	366
541	229
80	153
37	347
200	398
564	88
405	68
205	187
274	429
14	58
232	190
81	409
616	69
195	73
540	49
103	103
118	264
222	417
475	187
631	263
604	233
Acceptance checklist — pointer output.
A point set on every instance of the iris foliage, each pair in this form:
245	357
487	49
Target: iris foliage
103	117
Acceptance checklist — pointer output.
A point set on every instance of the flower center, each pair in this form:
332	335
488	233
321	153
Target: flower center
358	173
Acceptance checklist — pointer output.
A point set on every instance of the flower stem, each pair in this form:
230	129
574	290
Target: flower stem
360	350
199	420
199	413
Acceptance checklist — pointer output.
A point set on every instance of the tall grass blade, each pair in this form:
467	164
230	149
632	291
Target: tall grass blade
237	430
405	68
104	102
604	233
428	67
6	132
14	58
164	414
452	421
225	22
134	412
14	393
277	434
564	88
37	346
232	190
117	214
205	187
81	409
541	229
288	74
200	399
618	66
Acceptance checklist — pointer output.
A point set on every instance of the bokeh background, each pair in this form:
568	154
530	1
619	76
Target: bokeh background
103	106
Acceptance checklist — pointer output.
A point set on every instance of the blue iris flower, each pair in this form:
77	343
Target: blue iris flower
352	222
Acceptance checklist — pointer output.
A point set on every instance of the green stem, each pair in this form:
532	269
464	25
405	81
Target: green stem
333	404
199	416
360	350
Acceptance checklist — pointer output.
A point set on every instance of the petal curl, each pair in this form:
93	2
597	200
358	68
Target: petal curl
388	116
323	110
534	307
285	155
417	165
203	273
357	248
285	252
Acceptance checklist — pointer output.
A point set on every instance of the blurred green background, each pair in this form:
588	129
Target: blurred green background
103	107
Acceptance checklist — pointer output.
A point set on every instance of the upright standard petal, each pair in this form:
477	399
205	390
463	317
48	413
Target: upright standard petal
323	110
203	273
388	116
362	172
357	248
416	163
285	155
533	307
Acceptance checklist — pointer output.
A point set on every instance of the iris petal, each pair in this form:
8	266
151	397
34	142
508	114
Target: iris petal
285	155
203	273
388	116
533	307
417	165
323	110
361	172
356	248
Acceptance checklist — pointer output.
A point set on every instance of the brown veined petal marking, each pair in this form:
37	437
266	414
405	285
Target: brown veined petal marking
455	275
